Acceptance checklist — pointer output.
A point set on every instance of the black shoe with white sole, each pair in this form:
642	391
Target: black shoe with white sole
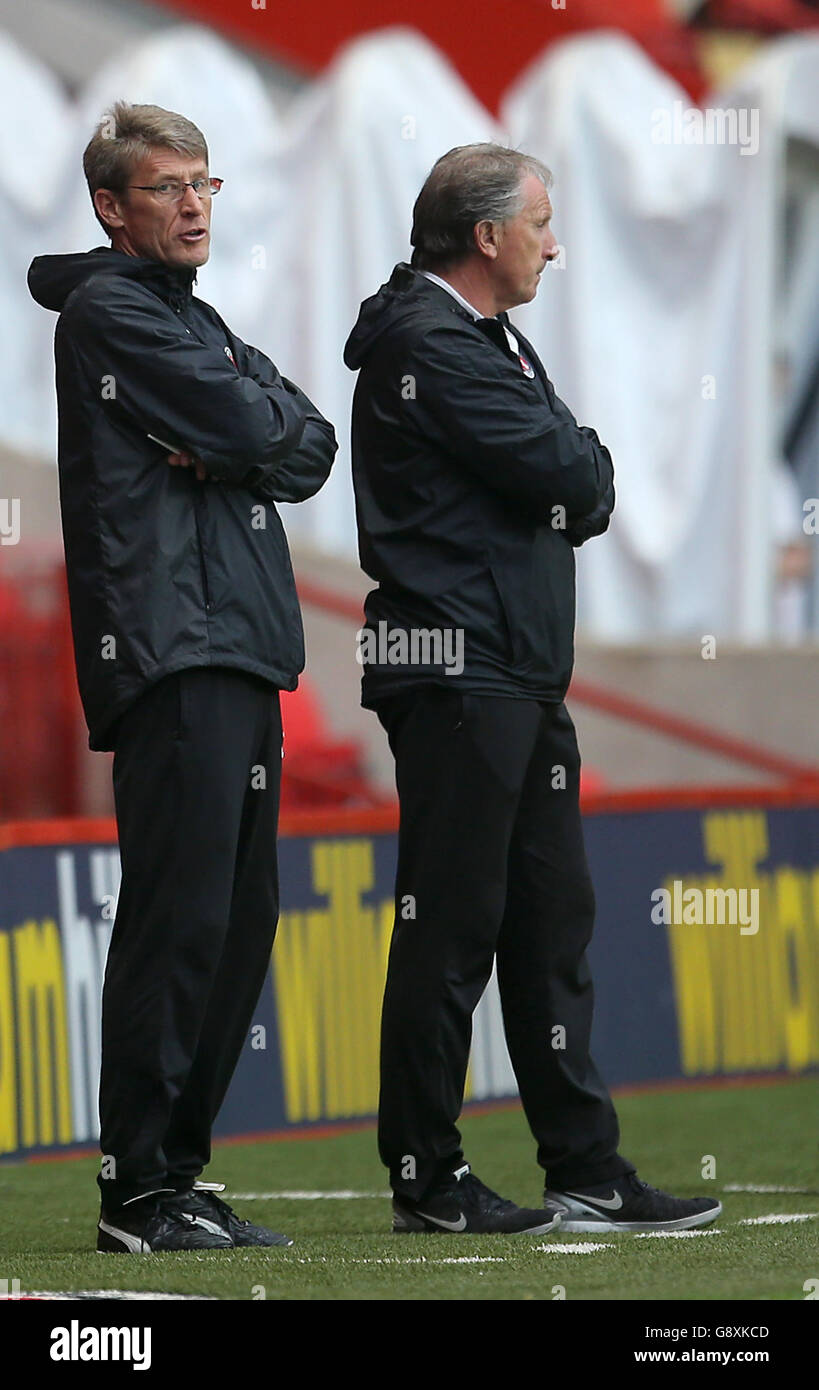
461	1203
155	1223
201	1202
629	1204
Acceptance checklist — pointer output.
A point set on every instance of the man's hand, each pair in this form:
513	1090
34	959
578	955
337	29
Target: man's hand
188	461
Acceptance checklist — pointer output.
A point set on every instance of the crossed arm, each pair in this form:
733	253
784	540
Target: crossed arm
533	454
243	425
301	474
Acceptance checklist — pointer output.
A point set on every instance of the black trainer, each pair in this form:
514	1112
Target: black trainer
201	1202
462	1203
153	1223
629	1204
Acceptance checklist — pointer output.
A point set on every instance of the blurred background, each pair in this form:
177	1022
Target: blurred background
682	321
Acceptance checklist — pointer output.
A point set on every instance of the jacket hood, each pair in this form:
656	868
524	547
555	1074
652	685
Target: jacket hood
406	292
51	279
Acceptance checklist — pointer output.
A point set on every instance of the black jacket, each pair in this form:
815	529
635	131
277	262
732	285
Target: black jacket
165	571
473	483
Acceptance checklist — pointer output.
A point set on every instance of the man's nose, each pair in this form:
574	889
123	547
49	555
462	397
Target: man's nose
552	248
191	202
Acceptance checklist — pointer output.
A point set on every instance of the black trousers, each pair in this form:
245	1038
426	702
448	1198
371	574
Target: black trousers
491	864
197	774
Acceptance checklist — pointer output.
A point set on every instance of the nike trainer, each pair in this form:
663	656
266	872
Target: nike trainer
153	1223
202	1203
462	1203
629	1204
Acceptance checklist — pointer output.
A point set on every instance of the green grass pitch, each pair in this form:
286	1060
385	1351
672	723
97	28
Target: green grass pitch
757	1134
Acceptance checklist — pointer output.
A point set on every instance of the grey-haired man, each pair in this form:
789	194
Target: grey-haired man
474	484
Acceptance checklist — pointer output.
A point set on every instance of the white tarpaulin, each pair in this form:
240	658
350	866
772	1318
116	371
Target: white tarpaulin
659	330
36	125
360	145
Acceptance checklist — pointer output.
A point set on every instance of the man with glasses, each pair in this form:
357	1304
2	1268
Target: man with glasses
176	439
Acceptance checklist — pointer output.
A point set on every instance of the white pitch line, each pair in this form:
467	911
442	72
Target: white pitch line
767	1187
778	1218
422	1260
675	1235
342	1196
397	1260
583	1247
107	1293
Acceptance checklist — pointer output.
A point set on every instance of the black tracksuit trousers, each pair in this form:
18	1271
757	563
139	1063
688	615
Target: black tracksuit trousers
196	917
491	863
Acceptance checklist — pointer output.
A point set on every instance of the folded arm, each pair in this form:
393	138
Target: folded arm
489	417
594	523
305	470
182	391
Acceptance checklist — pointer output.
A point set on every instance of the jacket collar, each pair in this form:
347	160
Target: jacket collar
174	284
406	277
492	327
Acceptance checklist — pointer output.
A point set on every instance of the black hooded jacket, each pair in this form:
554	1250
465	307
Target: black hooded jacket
166	571
473	483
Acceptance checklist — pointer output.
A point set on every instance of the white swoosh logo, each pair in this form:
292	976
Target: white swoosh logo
211	1226
204	1224
610	1203
459	1225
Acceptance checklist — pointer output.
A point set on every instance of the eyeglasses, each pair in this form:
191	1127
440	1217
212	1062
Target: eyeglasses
173	190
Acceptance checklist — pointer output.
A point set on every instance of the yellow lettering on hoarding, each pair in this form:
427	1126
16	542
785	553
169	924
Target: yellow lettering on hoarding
8	1077
748	1001
329	966
797	963
42	1034
299	1022
696	1004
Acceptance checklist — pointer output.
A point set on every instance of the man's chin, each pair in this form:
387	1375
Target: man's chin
192	256
198	253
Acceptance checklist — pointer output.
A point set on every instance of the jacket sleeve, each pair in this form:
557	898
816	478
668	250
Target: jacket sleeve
167	383
306	469
479	407
596	522
582	528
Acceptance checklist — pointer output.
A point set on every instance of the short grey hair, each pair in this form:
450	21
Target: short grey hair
127	134
472	183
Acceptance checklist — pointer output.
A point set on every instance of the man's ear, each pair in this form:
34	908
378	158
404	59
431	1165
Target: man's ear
487	238
108	207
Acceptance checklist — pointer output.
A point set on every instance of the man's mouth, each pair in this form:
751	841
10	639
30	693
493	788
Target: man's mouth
196	234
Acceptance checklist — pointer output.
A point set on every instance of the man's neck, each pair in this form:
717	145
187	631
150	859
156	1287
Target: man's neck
120	241
472	286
